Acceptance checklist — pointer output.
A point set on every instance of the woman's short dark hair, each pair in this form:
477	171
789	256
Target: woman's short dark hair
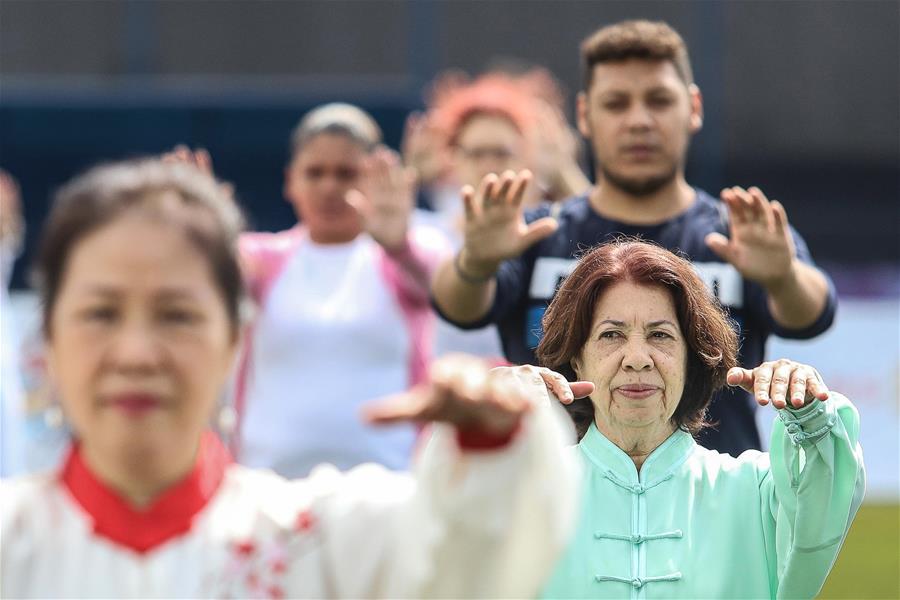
337	118
640	39
180	194
710	336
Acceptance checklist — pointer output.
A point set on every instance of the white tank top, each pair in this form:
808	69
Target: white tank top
330	337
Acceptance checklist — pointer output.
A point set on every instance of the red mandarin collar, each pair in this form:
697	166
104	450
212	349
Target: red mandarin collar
168	517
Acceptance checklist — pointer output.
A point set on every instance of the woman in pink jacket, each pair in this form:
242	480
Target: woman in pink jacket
342	302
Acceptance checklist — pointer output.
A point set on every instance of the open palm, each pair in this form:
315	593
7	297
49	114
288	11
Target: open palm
384	198
759	244
495	228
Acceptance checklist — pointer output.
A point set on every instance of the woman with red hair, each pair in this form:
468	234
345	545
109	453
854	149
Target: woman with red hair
496	123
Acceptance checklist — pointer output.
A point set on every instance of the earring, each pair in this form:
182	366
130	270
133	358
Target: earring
53	416
227	419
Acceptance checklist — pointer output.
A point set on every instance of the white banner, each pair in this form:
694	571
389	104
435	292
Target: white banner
860	357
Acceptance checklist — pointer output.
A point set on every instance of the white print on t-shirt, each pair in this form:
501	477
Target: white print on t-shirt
548	274
722	279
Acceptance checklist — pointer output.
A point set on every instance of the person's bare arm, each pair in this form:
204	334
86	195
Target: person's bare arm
462	300
761	248
495	230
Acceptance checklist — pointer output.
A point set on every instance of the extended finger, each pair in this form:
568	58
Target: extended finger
740	377
816	387
799	378
746	203
781	378
472	208
381	164
410	176
485	190
501	191
762	207
517	193
405	406
558	385
183	154
358	202
582	389
396	172
779	217
203	160
412	125
369	173
735	206
762	380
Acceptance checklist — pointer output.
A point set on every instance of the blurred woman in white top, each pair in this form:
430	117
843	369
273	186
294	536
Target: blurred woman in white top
142	305
343	312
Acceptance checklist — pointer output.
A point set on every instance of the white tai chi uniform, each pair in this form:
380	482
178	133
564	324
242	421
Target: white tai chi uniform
473	521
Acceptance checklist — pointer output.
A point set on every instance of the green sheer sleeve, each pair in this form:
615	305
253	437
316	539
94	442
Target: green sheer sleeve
812	492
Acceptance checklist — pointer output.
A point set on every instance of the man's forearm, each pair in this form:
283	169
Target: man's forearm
799	300
462	297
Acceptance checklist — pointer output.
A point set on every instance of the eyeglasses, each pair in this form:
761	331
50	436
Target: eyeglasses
497	153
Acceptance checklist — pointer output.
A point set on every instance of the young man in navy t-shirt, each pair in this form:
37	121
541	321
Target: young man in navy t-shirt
639	110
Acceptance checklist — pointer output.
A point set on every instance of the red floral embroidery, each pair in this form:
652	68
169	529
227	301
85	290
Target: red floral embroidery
245	548
305	522
279	566
252	580
258	566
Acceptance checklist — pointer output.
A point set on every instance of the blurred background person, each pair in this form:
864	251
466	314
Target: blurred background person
32	432
640	108
342	303
496	122
12	397
491	124
142	310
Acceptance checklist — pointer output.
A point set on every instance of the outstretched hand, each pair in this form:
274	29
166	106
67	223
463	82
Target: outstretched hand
542	384
198	158
495	228
557	147
11	222
463	392
424	149
759	244
780	381
384	198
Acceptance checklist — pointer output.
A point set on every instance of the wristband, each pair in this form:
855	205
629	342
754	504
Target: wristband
472	279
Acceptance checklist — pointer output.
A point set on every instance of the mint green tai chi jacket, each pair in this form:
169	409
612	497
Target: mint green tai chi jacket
698	524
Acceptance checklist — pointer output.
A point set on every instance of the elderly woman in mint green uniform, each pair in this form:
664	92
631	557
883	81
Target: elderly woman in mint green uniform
663	517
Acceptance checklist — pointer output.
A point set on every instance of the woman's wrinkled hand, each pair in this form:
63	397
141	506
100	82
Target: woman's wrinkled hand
779	382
